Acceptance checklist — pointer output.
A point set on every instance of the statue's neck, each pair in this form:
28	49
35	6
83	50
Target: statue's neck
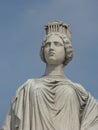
54	70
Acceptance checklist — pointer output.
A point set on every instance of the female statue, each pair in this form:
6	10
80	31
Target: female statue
53	102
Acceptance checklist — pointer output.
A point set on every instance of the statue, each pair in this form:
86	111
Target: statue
53	102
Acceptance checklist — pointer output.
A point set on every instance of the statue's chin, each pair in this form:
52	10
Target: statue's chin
51	60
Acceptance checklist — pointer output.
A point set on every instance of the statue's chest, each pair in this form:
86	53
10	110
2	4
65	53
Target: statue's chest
55	103
54	95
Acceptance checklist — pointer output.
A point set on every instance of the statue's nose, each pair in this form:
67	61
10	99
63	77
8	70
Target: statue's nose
51	46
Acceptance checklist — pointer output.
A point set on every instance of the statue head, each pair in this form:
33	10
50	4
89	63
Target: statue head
62	31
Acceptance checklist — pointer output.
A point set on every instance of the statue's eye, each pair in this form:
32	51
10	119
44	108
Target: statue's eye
47	44
58	44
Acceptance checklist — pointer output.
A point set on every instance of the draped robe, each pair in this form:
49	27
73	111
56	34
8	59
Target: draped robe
52	104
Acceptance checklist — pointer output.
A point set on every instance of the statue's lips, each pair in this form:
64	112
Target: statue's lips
51	53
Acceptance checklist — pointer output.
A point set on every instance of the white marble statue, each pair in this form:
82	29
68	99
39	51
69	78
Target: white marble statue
53	102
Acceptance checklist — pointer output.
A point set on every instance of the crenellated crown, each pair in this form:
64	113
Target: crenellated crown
58	27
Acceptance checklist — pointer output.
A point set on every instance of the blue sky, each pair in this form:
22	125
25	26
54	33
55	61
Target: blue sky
21	34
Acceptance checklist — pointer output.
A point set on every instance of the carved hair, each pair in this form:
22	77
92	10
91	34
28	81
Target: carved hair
67	46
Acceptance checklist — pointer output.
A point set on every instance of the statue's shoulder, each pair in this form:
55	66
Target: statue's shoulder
26	84
77	86
30	82
24	88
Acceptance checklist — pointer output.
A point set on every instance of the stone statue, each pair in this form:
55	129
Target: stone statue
53	102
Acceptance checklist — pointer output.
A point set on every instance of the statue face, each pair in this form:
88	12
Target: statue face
54	50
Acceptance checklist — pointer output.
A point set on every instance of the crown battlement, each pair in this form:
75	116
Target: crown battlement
58	27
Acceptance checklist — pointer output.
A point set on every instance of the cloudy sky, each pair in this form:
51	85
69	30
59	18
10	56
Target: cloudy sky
21	34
